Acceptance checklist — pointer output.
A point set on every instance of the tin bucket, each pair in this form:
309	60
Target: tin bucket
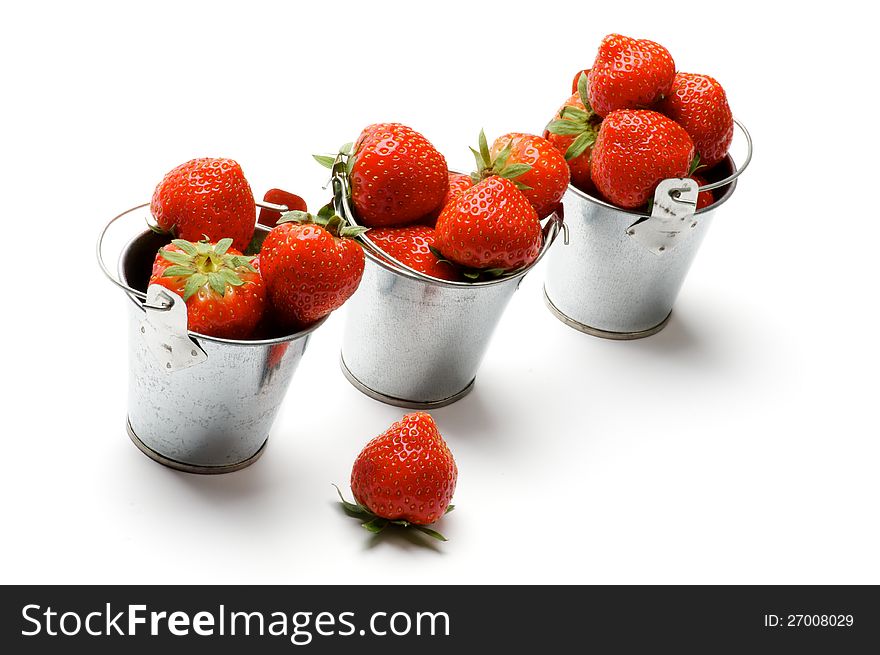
196	403
620	272
412	340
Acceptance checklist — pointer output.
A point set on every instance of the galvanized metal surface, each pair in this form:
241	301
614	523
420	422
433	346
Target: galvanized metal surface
216	413
416	344
164	331
213	416
620	272
188	468
672	216
415	341
608	284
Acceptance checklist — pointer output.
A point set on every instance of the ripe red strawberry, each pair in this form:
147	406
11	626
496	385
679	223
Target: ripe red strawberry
310	266
412	245
397	176
269	217
206	198
573	132
635	150
547	176
406	476
704	198
490	226
458	184
698	103
224	293
629	74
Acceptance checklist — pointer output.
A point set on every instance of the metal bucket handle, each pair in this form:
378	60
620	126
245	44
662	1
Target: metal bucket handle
164	327
673	214
739	171
341	203
99	252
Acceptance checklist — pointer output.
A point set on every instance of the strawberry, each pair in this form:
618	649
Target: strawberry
224	293
205	198
458	184
411	245
704	198
629	74
490	226
269	217
698	103
311	266
406	476
635	150
397	176
544	175
573	132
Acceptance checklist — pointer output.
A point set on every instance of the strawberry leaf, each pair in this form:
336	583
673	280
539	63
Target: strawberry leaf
430	532
376	525
256	243
579	145
194	283
502	157
326	212
484	149
175	257
155	229
325	160
575	114
583	91
230	278
178	271
479	159
222	246
514	170
295	216
564	127
695	164
350	507
215	281
185	246
353	231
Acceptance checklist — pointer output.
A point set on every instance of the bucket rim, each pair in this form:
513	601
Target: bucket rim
549	231
729	189
428	279
276	341
139	302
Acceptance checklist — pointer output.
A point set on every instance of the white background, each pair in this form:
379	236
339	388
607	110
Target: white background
738	445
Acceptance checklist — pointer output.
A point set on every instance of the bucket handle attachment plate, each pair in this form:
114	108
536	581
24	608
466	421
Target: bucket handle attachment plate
164	331
164	326
675	201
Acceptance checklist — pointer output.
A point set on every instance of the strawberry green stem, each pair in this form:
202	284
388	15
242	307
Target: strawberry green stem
204	263
326	218
377	524
487	166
